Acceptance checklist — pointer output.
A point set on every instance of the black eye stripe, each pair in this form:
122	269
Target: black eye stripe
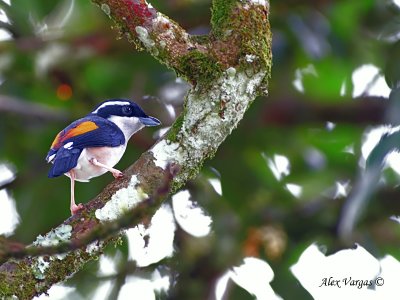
121	108
127	109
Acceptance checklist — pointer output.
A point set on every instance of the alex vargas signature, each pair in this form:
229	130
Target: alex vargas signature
349	281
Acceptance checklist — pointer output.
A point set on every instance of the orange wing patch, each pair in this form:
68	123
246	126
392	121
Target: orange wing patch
82	128
75	131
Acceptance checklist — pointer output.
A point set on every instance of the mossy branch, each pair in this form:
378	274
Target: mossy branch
99	232
228	69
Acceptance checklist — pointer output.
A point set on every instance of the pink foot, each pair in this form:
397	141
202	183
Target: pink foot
76	208
118	174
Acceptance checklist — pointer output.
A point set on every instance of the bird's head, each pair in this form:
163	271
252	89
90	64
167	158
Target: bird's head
126	114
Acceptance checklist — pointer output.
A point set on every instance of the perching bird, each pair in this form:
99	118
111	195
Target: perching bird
93	145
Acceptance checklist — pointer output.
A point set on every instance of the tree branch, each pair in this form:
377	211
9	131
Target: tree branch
147	28
99	232
14	105
292	111
228	69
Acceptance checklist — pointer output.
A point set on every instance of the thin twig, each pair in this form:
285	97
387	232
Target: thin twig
29	109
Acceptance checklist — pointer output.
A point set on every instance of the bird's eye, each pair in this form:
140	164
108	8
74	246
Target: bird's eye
127	110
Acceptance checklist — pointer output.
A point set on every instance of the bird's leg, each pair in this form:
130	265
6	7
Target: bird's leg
74	208
116	173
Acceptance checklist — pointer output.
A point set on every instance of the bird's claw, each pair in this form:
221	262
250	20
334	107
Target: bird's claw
75	208
118	174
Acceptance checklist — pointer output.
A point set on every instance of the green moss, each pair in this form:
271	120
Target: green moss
252	26
221	11
256	37
21	277
195	170
176	127
191	172
201	39
247	32
202	67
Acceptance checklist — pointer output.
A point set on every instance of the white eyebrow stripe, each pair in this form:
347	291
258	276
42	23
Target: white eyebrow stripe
109	104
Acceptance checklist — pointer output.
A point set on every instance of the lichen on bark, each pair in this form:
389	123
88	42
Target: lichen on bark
227	69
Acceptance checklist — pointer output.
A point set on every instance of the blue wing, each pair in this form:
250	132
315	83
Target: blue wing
91	131
65	160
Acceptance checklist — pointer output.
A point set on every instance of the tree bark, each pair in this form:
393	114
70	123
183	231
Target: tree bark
227	70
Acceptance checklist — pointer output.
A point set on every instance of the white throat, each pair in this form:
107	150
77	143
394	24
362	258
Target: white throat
129	126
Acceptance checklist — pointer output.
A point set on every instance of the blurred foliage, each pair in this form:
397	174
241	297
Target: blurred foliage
316	43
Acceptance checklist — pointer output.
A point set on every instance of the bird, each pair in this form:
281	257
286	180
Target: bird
94	144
